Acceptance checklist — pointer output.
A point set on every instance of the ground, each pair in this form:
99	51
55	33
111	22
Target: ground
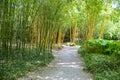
67	65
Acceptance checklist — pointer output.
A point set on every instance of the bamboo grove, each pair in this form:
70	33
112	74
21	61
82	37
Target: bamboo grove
30	29
27	31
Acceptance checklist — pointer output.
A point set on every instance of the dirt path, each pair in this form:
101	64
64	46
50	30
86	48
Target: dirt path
68	65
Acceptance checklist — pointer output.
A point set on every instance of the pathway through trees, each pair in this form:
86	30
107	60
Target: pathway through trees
67	65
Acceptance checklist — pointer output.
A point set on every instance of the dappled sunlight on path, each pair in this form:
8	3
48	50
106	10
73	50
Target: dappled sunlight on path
67	65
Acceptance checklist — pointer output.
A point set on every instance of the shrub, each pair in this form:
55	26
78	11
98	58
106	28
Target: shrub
102	66
104	47
98	62
82	51
96	46
107	75
102	58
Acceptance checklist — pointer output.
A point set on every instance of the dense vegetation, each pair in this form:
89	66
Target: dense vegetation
30	29
101	47
102	58
27	32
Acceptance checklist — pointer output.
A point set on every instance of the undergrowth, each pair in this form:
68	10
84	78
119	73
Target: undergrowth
17	67
102	58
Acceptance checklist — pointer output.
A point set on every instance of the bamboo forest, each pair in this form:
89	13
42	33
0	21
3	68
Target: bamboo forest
59	39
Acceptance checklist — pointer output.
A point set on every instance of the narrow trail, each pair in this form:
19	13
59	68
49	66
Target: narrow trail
67	65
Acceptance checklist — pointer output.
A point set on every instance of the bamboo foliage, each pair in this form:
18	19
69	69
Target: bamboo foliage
29	22
61	35
102	28
73	33
27	26
34	26
93	8
105	16
16	24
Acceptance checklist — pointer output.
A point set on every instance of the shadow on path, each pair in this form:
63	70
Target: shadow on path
67	65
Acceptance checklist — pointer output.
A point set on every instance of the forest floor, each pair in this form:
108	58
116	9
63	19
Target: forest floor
67	65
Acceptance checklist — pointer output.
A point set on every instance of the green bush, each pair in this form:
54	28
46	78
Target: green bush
98	62
102	58
103	46
102	66
82	51
107	75
96	46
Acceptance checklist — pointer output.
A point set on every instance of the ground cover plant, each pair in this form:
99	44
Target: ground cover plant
102	58
19	66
